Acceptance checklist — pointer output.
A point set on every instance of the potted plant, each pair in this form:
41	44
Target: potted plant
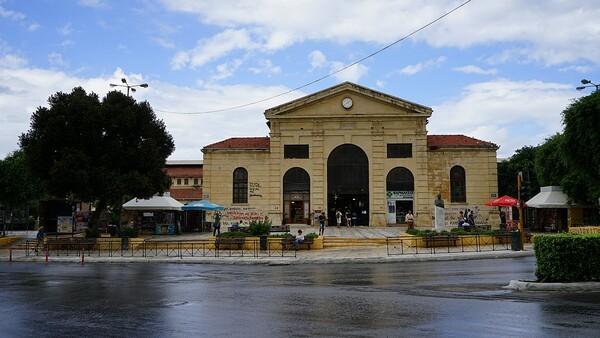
260	229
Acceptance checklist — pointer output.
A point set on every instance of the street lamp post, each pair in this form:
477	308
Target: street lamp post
129	87
587	84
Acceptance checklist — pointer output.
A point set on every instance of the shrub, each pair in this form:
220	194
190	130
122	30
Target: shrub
311	235
128	231
259	228
92	233
284	235
567	257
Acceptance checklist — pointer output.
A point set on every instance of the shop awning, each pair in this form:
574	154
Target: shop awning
550	197
202	205
155	203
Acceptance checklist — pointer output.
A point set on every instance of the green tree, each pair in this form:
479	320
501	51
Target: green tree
98	151
550	167
18	187
522	161
581	147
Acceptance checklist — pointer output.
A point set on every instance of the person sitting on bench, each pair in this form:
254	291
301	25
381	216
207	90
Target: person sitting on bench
299	239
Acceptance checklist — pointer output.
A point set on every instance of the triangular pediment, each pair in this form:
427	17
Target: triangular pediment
362	102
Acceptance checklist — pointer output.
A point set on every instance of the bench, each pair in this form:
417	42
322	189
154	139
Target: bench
431	239
280	228
237	241
291	242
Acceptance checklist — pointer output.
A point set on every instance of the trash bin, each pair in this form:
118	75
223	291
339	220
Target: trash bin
125	243
515	240
502	226
112	230
263	242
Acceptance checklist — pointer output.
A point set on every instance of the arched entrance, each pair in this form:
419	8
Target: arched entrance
348	183
400	190
296	196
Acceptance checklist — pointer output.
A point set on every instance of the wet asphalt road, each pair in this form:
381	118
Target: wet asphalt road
453	298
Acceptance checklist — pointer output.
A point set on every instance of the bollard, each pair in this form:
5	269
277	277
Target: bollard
46	256
10	256
82	257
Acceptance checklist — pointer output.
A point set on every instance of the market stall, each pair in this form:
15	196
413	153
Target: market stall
158	214
201	206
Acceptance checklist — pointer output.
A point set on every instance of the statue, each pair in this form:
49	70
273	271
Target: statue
439	213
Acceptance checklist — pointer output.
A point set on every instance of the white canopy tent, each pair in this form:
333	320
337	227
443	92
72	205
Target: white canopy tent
550	197
164	202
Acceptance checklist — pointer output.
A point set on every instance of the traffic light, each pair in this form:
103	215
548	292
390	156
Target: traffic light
524	191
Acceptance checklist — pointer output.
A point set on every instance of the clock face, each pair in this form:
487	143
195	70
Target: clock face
347	103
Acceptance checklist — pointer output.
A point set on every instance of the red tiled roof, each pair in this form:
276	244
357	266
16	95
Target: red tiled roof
457	141
186	194
184	171
242	143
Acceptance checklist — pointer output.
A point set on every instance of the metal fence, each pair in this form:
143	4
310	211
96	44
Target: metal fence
414	245
176	249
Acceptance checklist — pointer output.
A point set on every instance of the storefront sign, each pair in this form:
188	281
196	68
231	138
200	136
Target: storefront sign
400	195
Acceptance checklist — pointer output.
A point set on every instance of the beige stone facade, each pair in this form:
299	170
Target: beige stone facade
350	147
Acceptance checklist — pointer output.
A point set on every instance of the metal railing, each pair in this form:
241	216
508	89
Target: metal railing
414	245
149	248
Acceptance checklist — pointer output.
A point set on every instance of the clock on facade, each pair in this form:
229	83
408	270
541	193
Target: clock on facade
347	103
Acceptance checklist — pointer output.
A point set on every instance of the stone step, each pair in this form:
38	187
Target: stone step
341	242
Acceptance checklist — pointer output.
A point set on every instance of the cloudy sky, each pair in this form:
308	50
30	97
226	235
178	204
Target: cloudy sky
500	71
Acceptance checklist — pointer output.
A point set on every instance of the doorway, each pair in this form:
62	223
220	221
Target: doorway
348	183
296	212
402	207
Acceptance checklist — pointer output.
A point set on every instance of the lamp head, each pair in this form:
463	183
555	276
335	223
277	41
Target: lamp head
585	81
112	85
144	85
123	80
580	88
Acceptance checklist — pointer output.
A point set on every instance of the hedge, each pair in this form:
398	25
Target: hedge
567	257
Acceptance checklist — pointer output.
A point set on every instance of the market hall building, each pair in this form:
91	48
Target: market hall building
350	147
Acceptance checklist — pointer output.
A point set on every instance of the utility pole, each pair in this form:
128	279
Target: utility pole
520	205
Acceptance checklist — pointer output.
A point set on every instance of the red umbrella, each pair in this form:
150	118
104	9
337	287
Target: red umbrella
504	201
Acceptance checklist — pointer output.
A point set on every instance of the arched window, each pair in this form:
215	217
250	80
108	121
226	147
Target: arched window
240	185
458	188
400	179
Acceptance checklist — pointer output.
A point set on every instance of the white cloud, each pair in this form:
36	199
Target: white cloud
65	30
471	69
33	27
543	28
94	3
354	73
211	49
56	60
504	112
8	14
12	62
265	67
421	66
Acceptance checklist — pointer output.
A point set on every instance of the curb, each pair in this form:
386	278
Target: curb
535	286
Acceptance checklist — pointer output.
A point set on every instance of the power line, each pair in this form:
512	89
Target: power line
325	76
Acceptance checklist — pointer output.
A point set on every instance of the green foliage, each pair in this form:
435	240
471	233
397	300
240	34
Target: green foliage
284	235
233	234
522	161
18	187
98	151
259	228
311	235
92	233
567	257
581	147
454	231
128	231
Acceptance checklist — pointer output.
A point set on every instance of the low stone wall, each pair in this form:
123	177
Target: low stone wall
591	230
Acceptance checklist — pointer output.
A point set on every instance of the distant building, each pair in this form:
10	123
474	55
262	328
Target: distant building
350	147
186	180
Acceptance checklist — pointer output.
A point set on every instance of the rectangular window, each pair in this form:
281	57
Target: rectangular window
399	150
186	181
179	181
295	151
195	181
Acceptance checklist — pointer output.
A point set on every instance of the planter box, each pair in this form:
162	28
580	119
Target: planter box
274	243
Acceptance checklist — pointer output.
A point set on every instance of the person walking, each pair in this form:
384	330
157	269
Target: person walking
348	218
217	224
410	220
40	238
322	224
338	218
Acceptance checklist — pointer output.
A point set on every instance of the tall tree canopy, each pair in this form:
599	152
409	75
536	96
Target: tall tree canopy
18	188
98	151
581	145
521	161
